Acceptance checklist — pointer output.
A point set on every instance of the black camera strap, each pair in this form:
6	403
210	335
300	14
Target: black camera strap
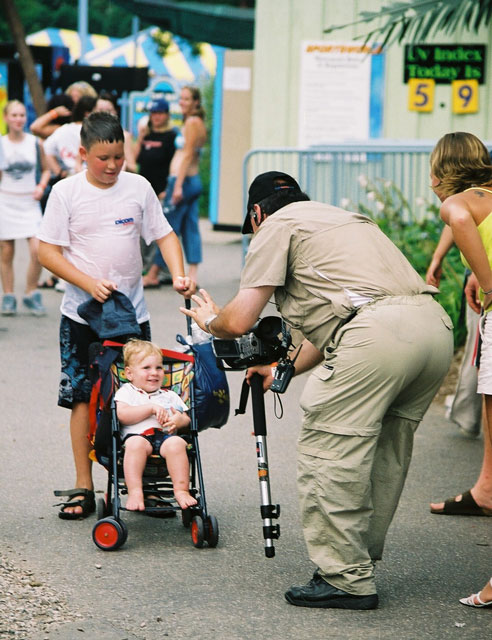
243	399
243	402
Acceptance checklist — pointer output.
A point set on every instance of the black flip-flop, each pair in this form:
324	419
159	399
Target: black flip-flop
464	507
88	503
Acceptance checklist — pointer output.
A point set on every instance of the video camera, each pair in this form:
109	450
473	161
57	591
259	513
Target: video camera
267	342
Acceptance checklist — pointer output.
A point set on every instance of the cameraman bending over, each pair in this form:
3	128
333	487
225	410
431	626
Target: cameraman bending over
384	346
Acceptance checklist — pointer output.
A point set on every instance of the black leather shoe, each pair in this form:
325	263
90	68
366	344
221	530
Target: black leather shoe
318	593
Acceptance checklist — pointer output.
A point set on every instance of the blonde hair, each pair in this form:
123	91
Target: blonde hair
139	349
460	160
12	103
84	87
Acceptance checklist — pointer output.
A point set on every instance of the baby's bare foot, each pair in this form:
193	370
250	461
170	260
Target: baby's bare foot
135	501
184	499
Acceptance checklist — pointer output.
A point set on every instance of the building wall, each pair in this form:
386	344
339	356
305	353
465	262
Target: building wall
281	26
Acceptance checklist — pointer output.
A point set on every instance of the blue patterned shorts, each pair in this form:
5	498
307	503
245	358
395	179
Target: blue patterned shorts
75	340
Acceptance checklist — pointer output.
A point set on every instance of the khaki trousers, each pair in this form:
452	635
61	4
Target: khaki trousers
361	409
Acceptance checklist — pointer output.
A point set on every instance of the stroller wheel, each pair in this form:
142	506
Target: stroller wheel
186	516
122	524
197	531
109	534
101	509
212	531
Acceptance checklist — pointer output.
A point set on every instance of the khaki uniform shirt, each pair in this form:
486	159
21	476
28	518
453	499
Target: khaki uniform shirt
324	262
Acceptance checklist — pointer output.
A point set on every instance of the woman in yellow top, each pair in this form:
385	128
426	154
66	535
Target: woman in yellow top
461	177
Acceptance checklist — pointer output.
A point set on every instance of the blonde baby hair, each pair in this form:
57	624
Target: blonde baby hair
136	349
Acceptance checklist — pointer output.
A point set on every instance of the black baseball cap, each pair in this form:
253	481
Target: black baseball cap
263	186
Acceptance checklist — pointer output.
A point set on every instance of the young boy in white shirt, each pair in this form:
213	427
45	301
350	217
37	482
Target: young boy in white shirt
90	237
151	418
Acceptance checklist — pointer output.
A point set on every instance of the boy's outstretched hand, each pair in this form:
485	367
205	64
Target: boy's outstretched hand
184	285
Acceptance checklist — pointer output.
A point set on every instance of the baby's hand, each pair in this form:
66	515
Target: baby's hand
174	421
178	419
160	414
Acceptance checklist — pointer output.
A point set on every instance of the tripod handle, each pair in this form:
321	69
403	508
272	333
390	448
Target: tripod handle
258	404
188	319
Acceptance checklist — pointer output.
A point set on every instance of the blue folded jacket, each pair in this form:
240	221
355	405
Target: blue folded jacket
114	318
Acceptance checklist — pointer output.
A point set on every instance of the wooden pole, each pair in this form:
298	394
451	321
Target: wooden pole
25	57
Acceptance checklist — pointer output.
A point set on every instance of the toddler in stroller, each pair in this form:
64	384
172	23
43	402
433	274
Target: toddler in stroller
150	419
139	403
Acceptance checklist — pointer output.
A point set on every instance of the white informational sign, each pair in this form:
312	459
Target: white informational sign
335	90
237	79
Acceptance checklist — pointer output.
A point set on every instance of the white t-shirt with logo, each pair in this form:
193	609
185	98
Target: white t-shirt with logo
136	397
100	229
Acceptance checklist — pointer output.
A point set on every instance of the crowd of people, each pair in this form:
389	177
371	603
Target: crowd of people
61	187
35	161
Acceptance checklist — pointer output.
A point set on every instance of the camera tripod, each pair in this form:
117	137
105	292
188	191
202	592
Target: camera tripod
268	511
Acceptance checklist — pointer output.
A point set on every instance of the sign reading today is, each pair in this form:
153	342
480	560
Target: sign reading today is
445	63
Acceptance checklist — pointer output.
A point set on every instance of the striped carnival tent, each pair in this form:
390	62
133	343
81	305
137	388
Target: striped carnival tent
70	39
179	62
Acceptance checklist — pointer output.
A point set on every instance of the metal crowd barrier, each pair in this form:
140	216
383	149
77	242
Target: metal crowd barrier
344	174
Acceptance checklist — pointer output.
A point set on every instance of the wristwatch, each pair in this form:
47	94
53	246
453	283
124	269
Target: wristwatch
208	322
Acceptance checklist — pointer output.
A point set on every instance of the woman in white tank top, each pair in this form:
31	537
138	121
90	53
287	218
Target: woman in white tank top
20	212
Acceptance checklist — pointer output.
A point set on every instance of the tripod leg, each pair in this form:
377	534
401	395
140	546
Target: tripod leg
267	509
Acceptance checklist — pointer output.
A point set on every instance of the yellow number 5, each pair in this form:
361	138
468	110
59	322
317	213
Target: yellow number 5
421	94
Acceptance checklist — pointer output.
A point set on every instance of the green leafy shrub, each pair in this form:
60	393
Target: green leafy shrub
205	158
416	236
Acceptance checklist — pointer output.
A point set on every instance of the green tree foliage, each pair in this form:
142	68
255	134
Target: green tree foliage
418	20
105	17
205	159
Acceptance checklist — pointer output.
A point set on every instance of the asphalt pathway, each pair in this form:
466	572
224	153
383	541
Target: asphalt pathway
158	585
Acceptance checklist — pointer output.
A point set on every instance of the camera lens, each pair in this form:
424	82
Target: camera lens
268	328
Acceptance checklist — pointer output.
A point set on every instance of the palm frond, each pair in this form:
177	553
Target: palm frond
417	20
